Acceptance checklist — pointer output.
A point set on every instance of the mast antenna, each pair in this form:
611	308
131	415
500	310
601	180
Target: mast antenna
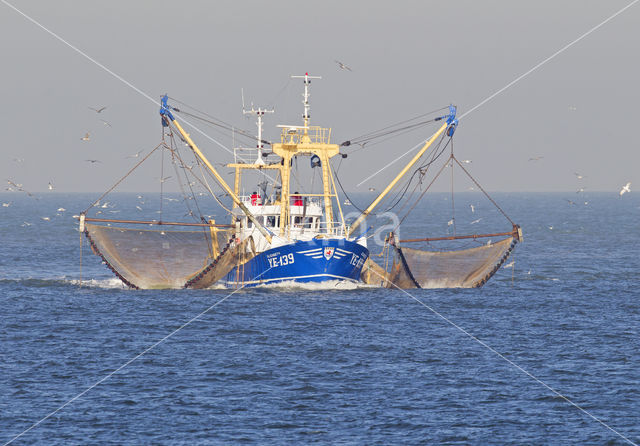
259	112
306	95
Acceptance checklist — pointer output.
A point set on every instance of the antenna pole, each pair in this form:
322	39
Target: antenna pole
259	113
306	95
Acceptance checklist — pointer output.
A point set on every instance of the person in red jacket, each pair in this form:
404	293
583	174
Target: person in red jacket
297	199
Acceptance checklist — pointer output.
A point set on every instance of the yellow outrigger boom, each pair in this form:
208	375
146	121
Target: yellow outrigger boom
450	124
168	118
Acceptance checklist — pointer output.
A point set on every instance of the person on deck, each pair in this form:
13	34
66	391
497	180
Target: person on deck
256	200
297	199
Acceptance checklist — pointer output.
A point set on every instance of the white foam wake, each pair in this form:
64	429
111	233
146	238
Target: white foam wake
316	286
110	283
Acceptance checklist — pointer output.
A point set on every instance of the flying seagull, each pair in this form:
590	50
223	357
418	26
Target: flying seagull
342	66
135	155
371	189
86	137
93	161
98	110
19	187
50	186
467	161
578	175
105	123
625	188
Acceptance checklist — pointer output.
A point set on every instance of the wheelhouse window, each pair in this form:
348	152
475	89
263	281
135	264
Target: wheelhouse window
273	221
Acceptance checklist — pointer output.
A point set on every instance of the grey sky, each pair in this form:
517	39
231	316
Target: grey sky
578	111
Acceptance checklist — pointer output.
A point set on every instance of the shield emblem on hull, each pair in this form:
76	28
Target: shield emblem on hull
328	252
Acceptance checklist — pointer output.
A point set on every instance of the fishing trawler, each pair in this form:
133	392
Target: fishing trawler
275	235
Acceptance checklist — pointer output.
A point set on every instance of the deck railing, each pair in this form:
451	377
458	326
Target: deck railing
317	135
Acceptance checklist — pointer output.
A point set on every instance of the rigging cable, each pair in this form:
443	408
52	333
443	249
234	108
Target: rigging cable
395	133
381	132
278	94
453	205
161	180
175	155
483	191
202	180
212	120
422	168
123	178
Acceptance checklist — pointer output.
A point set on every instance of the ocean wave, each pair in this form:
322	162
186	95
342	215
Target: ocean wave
110	283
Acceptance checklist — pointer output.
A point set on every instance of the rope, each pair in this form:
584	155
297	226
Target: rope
161	182
483	191
345	193
422	168
202	181
80	235
174	153
452	157
363	139
279	93
220	123
206	184
123	178
421	195
453	204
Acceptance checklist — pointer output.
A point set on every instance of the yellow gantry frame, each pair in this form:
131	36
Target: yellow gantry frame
406	168
306	145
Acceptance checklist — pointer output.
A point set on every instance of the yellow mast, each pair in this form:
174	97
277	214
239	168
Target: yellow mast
451	122
166	113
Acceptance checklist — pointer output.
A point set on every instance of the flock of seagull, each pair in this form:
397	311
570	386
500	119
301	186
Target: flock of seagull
14	186
626	188
87	135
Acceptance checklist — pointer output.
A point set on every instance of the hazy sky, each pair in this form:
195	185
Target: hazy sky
578	112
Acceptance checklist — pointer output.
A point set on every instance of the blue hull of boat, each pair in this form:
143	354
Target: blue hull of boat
317	260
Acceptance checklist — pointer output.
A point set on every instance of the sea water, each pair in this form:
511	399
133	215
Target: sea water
332	364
